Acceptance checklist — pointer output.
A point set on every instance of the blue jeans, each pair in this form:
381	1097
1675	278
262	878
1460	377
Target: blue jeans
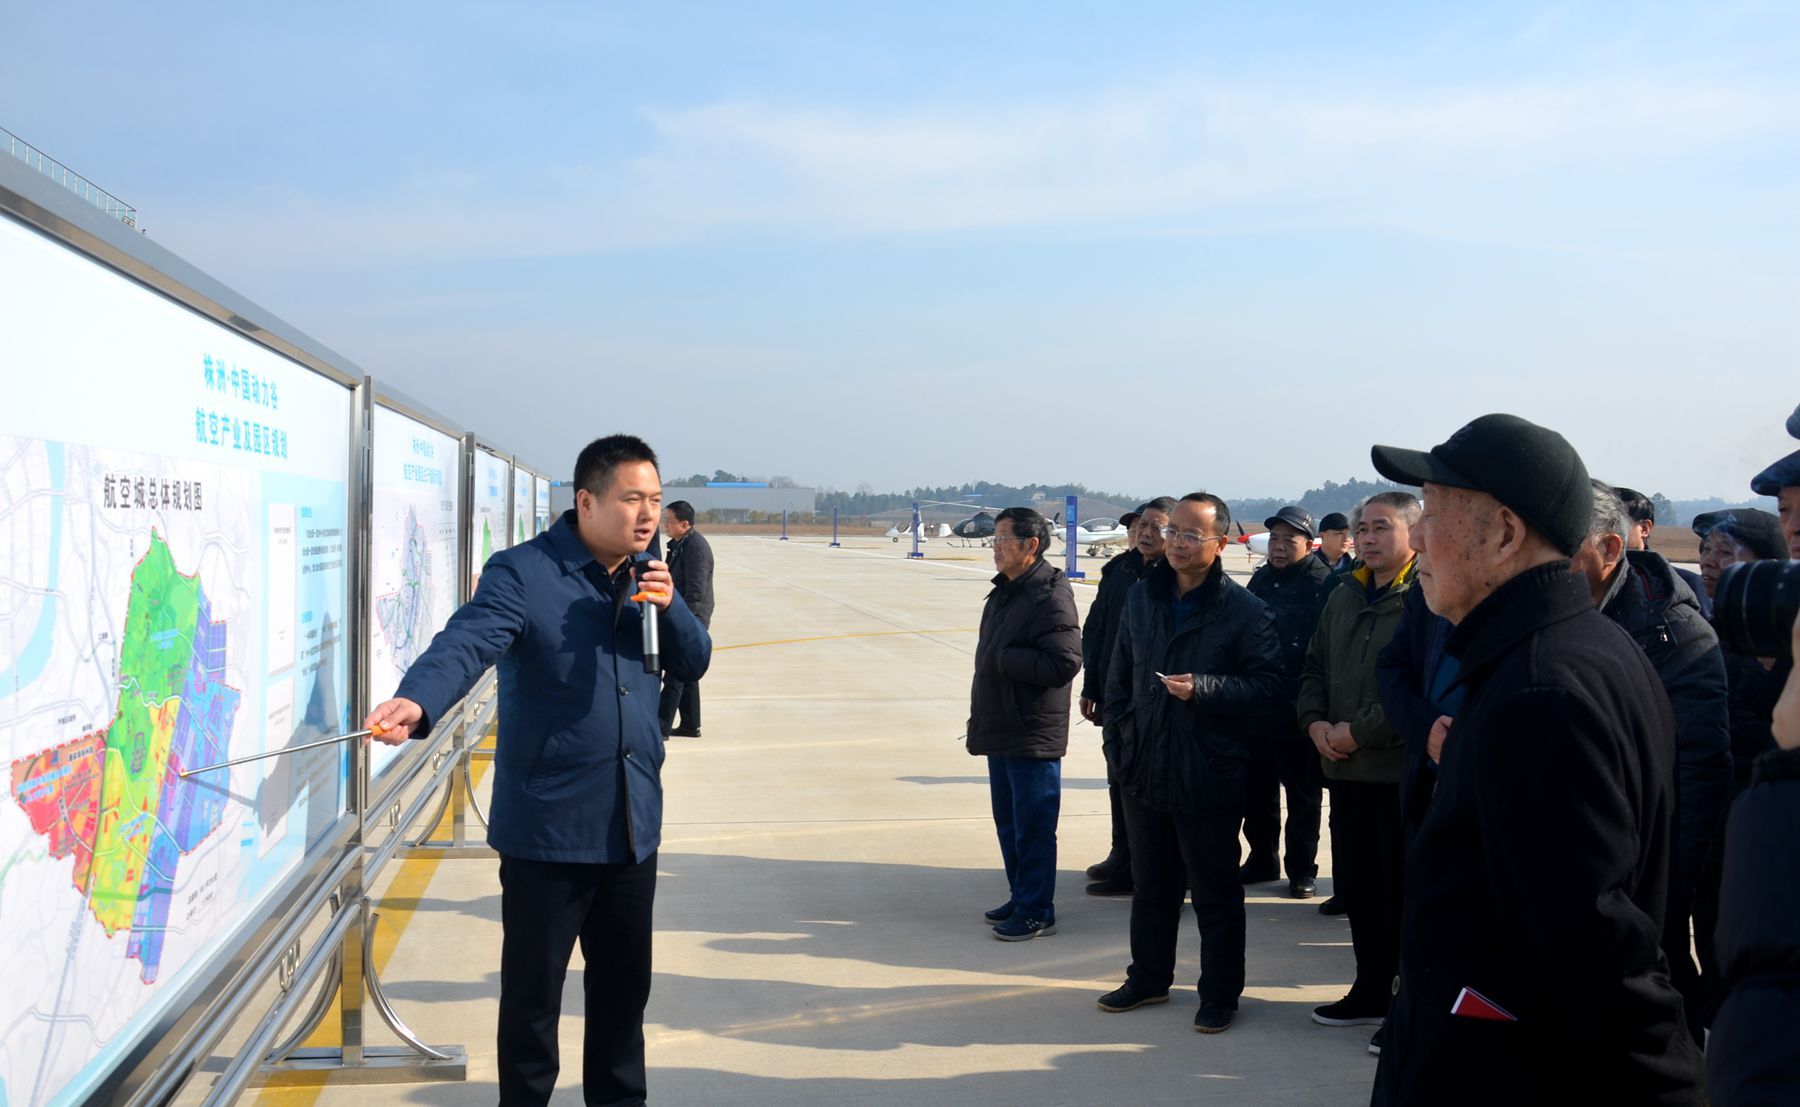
1027	794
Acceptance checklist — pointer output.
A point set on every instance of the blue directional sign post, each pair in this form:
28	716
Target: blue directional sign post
834	529
1070	547
915	529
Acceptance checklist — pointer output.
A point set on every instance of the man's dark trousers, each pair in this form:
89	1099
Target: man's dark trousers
1368	847
1284	758
1027	798
545	908
683	694
1169	855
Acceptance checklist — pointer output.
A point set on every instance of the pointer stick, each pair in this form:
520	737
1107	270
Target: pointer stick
280	752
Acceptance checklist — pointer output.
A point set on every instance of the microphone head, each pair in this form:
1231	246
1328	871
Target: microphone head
641	561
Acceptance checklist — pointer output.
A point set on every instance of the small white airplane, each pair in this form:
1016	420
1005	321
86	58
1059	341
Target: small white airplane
1258	544
926	533
1096	536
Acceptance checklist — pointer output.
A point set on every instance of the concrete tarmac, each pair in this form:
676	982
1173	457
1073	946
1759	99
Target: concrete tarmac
827	853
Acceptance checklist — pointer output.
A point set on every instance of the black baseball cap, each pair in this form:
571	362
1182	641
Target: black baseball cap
1783	474
1531	469
1132	516
1760	530
1294	517
1337	520
1794	422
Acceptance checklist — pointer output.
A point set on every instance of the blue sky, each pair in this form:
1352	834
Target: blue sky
1149	247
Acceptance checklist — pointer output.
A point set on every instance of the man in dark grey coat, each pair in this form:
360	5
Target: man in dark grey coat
1639	590
1026	658
1195	664
691	564
1531	963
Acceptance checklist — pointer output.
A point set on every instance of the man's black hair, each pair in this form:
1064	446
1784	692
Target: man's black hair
1637	505
1028	523
1222	520
682	510
594	468
1163	504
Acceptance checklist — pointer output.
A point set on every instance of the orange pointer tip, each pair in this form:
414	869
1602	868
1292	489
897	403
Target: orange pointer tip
377	730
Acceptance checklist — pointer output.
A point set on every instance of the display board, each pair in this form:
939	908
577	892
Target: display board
542	498
413	550
488	516
173	582
524	506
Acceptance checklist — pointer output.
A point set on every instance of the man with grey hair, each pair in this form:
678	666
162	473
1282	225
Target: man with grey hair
1531	965
1640	591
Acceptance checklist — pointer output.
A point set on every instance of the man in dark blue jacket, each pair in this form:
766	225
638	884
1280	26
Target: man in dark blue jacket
577	806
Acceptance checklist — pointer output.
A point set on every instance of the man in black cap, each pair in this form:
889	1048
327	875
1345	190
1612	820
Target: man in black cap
1280	755
1531	967
1782	481
1334	542
1642	512
1112	877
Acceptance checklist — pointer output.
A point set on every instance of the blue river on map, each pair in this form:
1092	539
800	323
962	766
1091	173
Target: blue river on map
29	665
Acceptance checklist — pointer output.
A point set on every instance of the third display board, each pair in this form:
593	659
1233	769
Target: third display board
413	546
487	516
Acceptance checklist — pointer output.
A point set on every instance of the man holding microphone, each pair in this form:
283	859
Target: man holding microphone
577	805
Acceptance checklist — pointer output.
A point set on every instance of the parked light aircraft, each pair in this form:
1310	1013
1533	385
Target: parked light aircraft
926	533
1096	536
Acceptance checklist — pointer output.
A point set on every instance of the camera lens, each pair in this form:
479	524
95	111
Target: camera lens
1756	605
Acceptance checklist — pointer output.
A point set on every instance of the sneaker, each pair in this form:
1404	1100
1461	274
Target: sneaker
1022	928
1129	997
1375	1042
1303	888
1212	1018
1111	886
999	914
1332	906
1259	870
1351	1011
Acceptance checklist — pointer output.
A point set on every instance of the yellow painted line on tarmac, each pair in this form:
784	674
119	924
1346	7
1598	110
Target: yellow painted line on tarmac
400	899
841	637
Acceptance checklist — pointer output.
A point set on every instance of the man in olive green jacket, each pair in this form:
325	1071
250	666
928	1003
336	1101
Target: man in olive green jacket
1340	708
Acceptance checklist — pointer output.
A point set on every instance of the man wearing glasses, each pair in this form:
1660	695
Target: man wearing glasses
1196	661
1026	659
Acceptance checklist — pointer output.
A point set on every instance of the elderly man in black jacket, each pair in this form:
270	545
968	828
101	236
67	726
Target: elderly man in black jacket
1026	658
1639	590
1292	583
1531	966
1112	877
691	564
1196	662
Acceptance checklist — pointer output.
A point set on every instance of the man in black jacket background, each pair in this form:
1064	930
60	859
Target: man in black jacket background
1640	592
1195	662
1026	658
690	559
1112	877
1292	583
1531	966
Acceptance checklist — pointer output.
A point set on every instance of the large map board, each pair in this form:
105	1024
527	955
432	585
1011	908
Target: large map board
173	509
542	499
487	517
413	546
524	506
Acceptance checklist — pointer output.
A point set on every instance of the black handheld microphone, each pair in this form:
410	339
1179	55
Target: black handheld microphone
651	628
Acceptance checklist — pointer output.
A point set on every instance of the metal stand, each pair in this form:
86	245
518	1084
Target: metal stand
458	799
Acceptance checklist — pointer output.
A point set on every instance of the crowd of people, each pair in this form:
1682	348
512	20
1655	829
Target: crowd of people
1531	734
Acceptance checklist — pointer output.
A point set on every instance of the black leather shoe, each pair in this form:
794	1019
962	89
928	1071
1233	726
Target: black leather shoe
1103	870
1332	906
1129	997
1111	886
1258	870
686	732
1304	888
1212	1018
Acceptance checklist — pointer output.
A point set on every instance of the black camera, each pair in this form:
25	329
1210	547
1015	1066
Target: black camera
1755	607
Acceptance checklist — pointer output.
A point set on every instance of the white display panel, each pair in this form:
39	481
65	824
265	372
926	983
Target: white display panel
413	546
524	507
542	498
488	517
173	509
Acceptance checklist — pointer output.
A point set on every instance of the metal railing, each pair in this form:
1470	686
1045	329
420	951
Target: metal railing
68	178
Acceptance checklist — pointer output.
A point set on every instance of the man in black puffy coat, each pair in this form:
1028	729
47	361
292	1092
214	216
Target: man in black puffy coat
1291	583
1640	592
1025	660
1531	965
1196	662
1112	877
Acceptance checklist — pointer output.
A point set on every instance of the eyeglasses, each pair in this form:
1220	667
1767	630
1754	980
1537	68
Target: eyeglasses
1190	537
